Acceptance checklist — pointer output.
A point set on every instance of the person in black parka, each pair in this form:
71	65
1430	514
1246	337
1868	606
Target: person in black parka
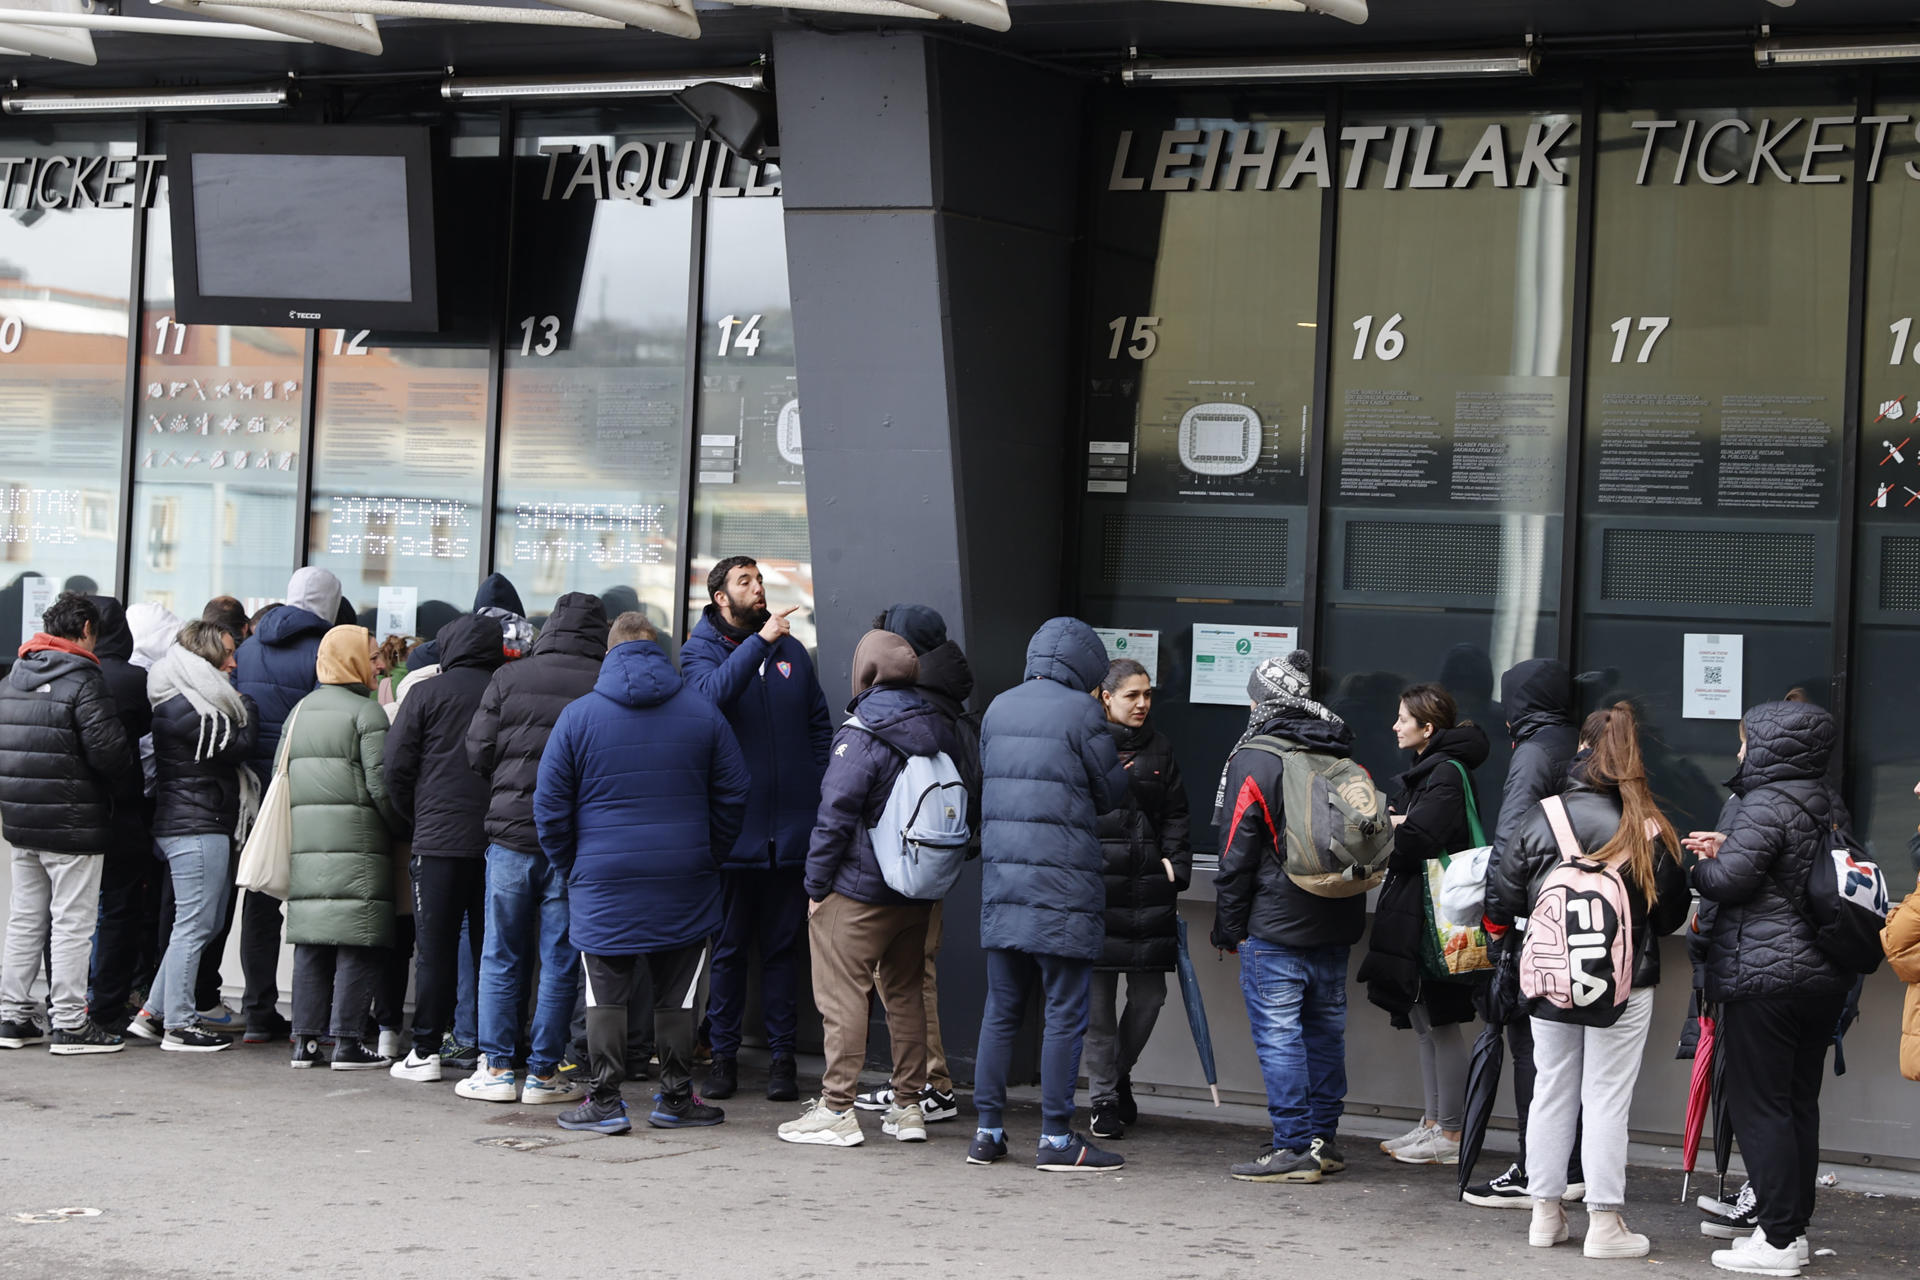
1149	864
1430	819
435	790
129	879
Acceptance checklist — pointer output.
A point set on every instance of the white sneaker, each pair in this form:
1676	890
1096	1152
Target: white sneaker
220	1016
553	1088
421	1070
1755	1257
391	1044
1435	1148
819	1126
1408	1138
486	1084
906	1123
1575	1192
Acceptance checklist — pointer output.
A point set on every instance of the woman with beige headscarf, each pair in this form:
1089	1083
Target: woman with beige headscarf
340	904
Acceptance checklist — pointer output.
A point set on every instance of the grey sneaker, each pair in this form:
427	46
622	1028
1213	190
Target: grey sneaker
1418	1133
819	1126
1278	1164
906	1123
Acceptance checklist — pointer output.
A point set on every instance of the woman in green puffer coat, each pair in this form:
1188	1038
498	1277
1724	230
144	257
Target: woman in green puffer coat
340	904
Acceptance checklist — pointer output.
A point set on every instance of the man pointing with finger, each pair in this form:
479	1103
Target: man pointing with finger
744	660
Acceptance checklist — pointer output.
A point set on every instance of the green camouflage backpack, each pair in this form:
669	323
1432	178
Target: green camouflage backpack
1338	833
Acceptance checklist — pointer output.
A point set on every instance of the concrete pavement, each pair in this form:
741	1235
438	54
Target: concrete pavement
232	1165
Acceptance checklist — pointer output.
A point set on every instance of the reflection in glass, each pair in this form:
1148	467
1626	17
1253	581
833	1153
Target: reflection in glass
63	369
594	392
749	487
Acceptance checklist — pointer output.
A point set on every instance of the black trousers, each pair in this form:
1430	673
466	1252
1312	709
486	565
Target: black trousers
609	984
1776	1055
123	951
332	989
445	891
639	1021
390	997
260	924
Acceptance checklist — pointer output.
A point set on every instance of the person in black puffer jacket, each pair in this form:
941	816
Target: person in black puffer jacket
129	879
1149	864
1613	820
527	895
1781	997
1430	819
445	802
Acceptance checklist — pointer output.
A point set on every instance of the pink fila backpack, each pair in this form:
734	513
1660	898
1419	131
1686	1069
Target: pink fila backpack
1576	964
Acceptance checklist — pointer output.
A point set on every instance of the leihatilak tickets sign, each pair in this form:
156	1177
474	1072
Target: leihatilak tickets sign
1714	150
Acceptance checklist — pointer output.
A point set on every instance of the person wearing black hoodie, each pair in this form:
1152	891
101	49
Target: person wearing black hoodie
129	887
437	793
1537	697
526	913
945	682
1430	819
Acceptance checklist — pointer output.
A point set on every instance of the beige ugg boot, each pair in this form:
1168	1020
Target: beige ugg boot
1549	1225
1608	1237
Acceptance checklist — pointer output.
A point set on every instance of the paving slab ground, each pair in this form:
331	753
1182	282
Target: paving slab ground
232	1165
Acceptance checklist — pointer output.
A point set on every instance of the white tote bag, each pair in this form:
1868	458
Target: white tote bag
266	863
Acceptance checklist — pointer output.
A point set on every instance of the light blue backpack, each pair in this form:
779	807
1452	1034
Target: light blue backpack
921	838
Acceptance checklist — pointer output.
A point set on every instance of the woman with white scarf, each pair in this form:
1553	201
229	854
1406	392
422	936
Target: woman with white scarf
205	798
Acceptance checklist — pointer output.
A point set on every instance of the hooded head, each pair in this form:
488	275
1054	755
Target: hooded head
637	674
346	657
496	592
316	590
1066	651
577	625
471	641
114	638
884	657
1787	741
153	628
1534	694
917	624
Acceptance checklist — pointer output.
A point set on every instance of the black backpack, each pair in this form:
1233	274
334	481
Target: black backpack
1845	901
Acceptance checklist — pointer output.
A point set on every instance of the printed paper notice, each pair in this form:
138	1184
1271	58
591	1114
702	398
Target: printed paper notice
1142	646
1223	658
1711	668
36	597
399	611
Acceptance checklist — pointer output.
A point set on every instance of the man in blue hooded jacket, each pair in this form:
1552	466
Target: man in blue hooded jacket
641	788
1051	766
743	659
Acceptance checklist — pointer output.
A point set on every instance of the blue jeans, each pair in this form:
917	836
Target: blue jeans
198	866
761	911
526	918
1297	1005
1011	978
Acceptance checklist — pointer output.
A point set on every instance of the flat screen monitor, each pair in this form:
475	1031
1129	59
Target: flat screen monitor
313	226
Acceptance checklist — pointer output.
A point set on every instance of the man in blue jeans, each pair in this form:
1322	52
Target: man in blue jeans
526	914
1051	766
1293	944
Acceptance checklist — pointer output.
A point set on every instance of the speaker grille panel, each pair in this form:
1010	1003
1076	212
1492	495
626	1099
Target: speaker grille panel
1900	572
1755	570
1152	548
766	535
1428	557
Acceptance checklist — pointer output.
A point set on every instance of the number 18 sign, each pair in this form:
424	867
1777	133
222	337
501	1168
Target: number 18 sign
1711	670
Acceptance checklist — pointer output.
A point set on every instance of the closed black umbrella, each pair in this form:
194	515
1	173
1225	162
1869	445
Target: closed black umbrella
1483	1082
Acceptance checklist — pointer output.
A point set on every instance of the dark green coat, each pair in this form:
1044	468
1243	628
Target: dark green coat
342	877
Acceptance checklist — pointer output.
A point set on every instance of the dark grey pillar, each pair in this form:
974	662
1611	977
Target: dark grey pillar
929	191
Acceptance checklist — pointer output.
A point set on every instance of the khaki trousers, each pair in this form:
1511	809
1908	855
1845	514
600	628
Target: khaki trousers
859	947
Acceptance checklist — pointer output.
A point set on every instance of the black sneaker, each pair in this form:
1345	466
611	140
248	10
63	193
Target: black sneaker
1107	1123
936	1105
783	1081
723	1079
880	1099
353	1055
986	1149
685	1113
596	1117
272	1030
1278	1164
194	1039
1332	1159
1507	1191
307	1053
88	1037
460	1057
18	1035
1078	1156
1129	1113
1744	1219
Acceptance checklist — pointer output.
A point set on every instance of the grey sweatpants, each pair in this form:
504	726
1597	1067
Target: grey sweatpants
1115	1038
1443	1069
1595	1068
56	902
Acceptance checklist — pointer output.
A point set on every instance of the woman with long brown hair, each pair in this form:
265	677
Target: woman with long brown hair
1615	822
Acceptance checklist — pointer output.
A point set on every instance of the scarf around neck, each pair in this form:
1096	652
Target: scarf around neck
180	673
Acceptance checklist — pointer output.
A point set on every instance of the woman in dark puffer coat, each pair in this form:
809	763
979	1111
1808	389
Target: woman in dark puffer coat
1781	997
1430	819
1149	864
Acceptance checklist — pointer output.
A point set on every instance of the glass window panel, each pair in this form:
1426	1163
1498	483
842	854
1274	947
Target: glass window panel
63	368
749	490
593	415
217	449
1199	393
1713	420
1446	435
1886	751
400	420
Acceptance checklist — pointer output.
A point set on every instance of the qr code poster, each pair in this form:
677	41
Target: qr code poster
1710	669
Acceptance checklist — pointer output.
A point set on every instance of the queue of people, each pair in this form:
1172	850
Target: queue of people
591	833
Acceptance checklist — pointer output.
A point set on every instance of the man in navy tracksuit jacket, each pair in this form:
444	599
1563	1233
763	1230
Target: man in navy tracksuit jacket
745	661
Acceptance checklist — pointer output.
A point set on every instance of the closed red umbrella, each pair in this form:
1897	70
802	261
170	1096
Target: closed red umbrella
1699	1090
